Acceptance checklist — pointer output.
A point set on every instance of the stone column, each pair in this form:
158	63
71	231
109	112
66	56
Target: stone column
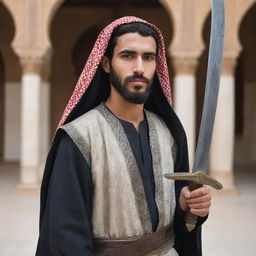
12	121
185	98
30	123
222	147
44	124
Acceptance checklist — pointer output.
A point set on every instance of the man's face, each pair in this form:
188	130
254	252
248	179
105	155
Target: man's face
133	66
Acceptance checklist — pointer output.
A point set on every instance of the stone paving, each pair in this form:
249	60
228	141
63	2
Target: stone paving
229	231
231	227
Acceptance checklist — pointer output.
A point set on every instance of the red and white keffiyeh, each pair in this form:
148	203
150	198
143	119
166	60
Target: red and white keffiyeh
95	57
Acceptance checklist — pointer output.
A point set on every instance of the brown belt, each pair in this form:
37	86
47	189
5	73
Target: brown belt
137	247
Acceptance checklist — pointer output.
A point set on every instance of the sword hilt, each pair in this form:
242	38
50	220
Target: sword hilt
190	218
195	181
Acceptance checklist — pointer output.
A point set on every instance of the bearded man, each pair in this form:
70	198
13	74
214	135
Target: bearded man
104	191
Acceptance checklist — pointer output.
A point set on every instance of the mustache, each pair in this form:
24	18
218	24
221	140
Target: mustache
136	76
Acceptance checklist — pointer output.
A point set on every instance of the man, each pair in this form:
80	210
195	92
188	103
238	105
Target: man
103	191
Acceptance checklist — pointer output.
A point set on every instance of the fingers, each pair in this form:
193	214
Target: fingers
184	195
201	209
186	192
197	201
200	192
203	205
200	199
200	212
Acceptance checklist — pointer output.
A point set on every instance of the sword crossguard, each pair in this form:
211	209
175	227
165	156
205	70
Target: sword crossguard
199	178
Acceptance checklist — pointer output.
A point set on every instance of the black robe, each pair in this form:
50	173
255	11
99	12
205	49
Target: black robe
67	191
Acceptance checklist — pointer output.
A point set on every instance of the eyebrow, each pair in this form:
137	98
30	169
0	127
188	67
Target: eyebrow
134	52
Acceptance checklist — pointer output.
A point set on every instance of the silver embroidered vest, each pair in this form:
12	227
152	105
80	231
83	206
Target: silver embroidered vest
120	208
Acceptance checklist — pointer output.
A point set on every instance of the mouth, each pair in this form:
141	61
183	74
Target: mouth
138	82
137	87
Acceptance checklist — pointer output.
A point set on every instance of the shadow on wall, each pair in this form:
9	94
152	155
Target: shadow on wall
245	151
1	107
10	73
201	73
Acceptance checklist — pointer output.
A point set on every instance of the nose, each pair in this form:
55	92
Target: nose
138	67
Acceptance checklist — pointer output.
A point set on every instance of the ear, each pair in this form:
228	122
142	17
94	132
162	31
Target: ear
105	64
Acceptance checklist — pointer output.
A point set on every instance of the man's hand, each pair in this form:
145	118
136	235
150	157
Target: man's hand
197	201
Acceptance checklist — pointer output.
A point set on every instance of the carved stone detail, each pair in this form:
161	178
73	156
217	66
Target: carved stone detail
31	65
228	65
185	65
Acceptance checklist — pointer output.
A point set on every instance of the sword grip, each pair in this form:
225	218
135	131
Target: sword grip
190	218
193	186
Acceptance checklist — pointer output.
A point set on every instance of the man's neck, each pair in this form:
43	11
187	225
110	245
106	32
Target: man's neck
125	110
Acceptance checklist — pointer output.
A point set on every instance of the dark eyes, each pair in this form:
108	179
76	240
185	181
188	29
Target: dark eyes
147	57
127	56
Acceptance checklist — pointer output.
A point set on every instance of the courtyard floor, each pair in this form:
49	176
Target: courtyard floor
229	231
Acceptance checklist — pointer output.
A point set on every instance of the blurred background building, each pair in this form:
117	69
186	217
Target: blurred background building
44	45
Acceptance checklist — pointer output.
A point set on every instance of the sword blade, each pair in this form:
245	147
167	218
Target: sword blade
212	86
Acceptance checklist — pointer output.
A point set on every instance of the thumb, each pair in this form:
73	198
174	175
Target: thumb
186	192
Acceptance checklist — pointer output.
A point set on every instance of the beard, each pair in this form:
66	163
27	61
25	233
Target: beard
123	90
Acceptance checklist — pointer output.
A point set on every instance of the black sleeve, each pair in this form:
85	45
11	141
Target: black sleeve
186	243
66	225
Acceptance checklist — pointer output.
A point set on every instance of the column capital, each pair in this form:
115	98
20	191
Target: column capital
185	65
228	65
31	64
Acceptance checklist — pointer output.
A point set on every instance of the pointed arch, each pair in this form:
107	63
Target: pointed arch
52	10
9	8
9	17
244	8
167	8
173	21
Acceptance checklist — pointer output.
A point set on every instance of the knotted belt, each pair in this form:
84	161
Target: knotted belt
138	247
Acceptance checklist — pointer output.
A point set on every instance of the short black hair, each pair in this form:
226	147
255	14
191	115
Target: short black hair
140	28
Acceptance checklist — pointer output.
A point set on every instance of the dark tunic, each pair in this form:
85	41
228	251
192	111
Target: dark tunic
70	196
139	142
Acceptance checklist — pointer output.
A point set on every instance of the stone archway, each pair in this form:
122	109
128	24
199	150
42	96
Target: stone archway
72	19
10	73
246	93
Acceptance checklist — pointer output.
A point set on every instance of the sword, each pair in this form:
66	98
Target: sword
198	178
